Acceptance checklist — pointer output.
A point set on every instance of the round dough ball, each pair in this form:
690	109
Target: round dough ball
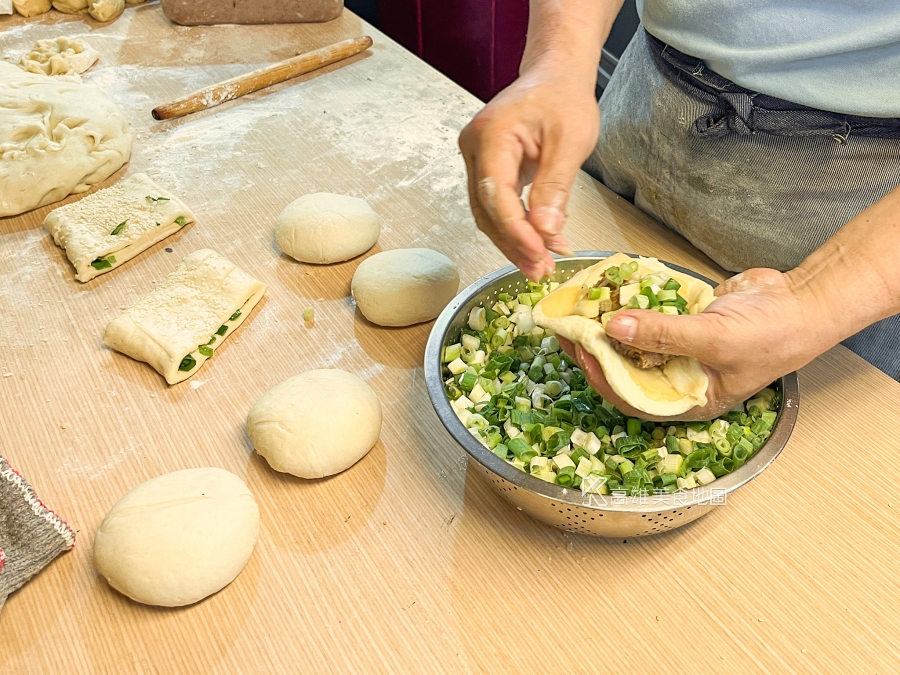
316	424
71	6
106	10
31	7
178	538
405	286
326	228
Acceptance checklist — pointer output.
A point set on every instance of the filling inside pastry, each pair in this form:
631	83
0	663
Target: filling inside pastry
623	287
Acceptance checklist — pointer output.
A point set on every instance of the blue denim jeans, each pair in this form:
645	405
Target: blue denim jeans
751	180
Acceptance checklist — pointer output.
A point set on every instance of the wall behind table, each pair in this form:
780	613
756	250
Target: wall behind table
476	43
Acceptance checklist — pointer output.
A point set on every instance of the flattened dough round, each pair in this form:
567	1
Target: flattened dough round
316	424
670	390
44	154
404	286
59	56
326	228
178	538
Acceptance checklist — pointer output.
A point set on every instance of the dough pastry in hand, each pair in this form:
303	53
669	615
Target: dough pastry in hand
56	138
59	56
177	326
113	225
670	389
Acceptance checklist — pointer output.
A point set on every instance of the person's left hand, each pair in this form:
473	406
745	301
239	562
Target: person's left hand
761	327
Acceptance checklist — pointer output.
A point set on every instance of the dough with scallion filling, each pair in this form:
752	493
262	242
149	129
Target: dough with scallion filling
667	390
180	323
111	226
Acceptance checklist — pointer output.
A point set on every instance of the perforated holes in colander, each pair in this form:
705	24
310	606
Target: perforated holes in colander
663	521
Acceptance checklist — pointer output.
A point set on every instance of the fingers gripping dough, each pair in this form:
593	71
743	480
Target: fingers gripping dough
671	389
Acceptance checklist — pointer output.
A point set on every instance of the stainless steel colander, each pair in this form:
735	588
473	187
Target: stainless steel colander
567	508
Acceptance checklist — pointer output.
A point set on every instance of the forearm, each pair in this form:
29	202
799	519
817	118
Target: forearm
573	30
853	279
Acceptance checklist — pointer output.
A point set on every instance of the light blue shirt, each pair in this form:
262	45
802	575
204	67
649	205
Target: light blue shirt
837	55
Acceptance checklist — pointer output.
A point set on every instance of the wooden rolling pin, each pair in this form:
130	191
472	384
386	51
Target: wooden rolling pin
228	90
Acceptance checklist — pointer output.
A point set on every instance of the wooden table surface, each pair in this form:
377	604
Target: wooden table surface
407	562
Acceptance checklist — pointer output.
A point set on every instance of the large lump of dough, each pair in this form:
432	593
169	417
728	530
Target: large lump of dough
667	390
56	138
178	538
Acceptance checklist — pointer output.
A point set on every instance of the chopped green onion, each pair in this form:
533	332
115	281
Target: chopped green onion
205	350
187	363
104	263
180	221
156	199
222	330
118	229
530	404
309	314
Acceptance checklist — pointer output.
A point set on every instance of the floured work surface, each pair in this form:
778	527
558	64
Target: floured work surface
406	562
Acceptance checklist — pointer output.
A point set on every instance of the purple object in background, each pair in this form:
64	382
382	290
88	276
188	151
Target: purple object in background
476	43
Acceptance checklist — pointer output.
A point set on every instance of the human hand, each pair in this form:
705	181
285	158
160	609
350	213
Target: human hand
761	326
541	128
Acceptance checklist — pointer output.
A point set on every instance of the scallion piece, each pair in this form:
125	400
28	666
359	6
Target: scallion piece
309	314
180	221
118	229
187	363
156	199
222	330
205	350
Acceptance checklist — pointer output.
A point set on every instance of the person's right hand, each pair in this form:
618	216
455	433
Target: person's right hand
541	128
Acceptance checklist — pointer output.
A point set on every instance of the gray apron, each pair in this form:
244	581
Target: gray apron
751	180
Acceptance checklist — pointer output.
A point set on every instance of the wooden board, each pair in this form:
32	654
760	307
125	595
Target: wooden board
407	562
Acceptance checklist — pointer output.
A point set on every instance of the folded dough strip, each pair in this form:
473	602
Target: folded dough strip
184	312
